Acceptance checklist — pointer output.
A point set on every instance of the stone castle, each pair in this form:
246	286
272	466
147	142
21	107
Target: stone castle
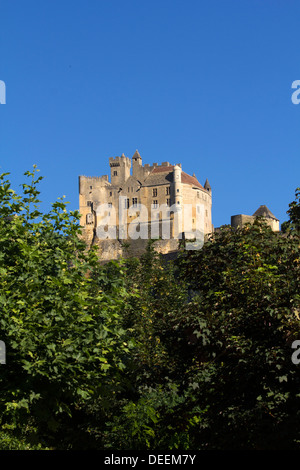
165	187
136	184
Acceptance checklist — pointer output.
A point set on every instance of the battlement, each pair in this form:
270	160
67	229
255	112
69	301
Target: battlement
119	161
119	169
87	182
96	178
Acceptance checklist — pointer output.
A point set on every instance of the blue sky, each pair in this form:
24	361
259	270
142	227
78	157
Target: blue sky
203	82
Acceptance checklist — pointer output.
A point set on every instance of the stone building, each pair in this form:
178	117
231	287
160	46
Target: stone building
263	211
139	199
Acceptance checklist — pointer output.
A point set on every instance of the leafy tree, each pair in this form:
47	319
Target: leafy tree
147	411
140	353
293	224
243	319
59	320
212	365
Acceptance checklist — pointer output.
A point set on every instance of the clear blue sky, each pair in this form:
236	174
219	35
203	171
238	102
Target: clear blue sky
203	82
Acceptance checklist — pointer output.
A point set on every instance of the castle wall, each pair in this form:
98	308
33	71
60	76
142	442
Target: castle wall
241	219
199	197
91	191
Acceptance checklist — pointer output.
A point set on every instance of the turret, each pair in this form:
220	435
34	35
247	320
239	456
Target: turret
137	167
207	186
177	185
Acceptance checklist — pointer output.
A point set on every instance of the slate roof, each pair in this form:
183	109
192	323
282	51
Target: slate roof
207	185
263	211
164	175
137	155
163	169
192	180
158	176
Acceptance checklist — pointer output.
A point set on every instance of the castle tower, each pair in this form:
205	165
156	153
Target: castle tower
119	169
137	167
177	185
207	186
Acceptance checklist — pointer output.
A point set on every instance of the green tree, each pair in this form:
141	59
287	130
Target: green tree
143	354
212	364
59	319
293	224
243	318
148	414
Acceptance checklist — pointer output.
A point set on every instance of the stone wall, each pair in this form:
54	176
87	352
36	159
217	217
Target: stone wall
240	220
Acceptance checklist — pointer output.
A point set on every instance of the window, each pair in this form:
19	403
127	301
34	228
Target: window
89	218
91	187
115	173
154	191
155	204
89	203
198	194
168	190
134	201
178	190
126	203
110	204
168	202
110	193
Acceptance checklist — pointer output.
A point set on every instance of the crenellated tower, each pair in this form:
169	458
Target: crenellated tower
119	169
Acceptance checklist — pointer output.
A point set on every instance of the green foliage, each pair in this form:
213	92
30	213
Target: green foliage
215	329
293	224
155	420
159	297
243	319
60	324
144	415
144	353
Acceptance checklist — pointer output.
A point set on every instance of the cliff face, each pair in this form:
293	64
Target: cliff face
115	249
